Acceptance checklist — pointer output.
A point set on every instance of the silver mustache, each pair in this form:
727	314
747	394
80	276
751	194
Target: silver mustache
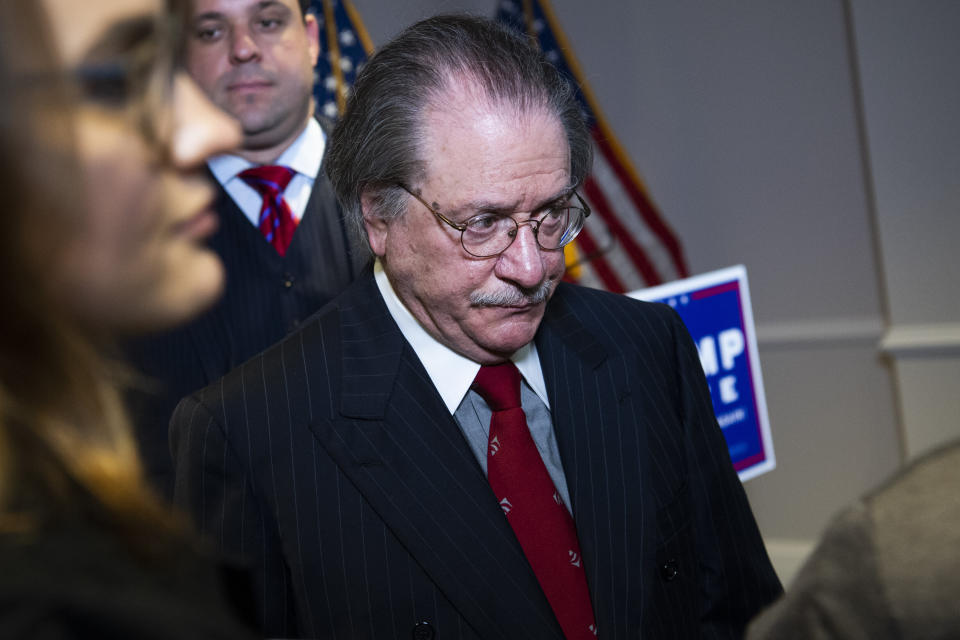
513	296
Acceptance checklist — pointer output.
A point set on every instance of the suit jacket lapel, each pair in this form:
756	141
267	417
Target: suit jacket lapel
396	441
603	448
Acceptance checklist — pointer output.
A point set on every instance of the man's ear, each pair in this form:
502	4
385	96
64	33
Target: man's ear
377	228
313	37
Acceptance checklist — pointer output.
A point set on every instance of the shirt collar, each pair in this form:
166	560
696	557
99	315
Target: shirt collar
303	156
451	373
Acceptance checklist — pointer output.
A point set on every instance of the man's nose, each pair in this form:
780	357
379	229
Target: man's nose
243	47
522	262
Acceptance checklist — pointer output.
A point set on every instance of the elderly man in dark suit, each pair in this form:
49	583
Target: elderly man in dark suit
460	445
282	237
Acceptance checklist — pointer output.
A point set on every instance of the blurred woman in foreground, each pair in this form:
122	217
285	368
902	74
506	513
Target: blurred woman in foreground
104	214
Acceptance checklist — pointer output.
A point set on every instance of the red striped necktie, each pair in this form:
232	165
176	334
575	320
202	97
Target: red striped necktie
276	221
533	506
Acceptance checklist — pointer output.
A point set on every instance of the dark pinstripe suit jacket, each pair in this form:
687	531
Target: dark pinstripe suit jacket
267	296
331	465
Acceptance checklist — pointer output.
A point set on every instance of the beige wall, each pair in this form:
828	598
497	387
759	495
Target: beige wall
908	56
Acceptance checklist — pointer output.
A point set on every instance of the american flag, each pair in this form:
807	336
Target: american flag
344	47
626	244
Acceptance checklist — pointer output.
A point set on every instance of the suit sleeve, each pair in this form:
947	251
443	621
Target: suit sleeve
838	594
736	577
215	489
172	369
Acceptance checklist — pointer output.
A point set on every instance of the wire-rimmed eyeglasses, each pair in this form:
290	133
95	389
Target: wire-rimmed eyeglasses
489	234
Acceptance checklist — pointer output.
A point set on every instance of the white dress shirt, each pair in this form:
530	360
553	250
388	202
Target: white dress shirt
451	373
303	156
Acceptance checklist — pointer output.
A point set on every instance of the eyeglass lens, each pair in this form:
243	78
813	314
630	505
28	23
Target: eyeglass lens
487	235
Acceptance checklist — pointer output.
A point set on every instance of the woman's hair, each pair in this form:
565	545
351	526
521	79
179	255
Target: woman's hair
66	448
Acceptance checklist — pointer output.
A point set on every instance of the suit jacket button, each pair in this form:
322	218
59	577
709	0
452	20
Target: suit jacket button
669	570
287	280
423	631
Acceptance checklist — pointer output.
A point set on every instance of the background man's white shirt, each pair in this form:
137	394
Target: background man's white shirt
303	156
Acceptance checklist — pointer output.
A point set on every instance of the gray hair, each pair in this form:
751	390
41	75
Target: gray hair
376	146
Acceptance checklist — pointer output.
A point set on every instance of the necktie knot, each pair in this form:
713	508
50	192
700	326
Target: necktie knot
268	179
499	385
276	221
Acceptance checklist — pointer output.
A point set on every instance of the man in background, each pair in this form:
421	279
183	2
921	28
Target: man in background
460	445
281	237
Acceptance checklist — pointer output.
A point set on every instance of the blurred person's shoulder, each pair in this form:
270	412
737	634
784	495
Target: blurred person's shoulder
887	566
76	580
925	487
915	520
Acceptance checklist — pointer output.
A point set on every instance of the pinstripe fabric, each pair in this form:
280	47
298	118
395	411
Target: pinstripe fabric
331	465
266	297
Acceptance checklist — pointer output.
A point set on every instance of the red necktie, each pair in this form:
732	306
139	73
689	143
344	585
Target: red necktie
276	222
533	506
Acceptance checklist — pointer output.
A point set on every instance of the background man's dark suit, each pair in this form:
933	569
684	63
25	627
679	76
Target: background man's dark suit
267	296
331	464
